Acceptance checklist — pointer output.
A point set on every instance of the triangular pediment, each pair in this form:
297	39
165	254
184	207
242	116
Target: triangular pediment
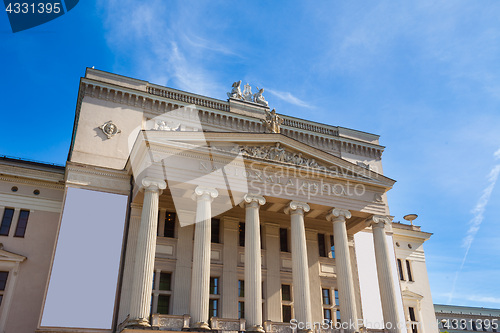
411	295
10	256
277	149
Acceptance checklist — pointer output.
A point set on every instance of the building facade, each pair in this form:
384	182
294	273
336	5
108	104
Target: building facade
453	318
182	212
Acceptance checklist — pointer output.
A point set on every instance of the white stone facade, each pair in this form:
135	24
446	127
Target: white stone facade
216	223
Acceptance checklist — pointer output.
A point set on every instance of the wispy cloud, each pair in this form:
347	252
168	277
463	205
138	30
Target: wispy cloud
288	97
477	220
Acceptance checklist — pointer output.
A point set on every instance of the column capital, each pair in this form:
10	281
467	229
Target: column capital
297	207
249	199
378	221
338	215
205	193
153	184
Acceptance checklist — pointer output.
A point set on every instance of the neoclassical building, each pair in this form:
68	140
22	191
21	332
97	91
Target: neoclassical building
177	211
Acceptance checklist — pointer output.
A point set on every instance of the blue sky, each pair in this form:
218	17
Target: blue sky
425	75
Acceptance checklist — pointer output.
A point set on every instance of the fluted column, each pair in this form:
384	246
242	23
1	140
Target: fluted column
384	271
200	277
145	254
347	298
253	272
300	268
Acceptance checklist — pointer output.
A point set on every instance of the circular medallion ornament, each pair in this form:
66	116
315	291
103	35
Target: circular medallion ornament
109	129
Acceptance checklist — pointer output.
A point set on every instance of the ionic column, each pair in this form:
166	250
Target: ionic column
253	273
200	277
384	271
145	254
347	298
300	268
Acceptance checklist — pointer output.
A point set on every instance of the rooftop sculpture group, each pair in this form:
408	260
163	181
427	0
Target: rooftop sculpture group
247	95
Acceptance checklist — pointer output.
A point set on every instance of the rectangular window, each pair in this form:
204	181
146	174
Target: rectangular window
215	231
408	268
286	294
214	285
321	245
163	304
327	314
241	288
6	221
242	233
400	270
241	310
170	225
332	246
474	327
3	283
338	316
413	319
165	281
287	313
213	308
284	239
154	279
337	297
326	296
22	223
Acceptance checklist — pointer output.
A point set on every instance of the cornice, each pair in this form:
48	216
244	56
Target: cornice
97	178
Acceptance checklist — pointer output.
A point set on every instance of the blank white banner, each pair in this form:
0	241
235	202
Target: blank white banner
84	276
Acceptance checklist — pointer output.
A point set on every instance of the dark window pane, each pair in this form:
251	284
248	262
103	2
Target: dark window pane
242	234
321	245
6	221
286	295
165	280
412	314
327	314
338	316
213	308
241	310
284	240
214	285
337	297
163	304
1	298
22	223
170	225
241	288
408	268
400	270
474	327
287	313
215	230
3	280
154	280
332	247
326	296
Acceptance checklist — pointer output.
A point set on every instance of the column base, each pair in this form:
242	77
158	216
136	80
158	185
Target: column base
200	326
256	328
138	323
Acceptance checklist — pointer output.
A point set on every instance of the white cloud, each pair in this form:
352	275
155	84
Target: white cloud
288	97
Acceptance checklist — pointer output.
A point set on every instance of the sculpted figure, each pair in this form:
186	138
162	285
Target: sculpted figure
258	98
273	121
236	91
247	93
277	153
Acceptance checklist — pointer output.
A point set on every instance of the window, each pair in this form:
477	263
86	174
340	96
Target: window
408	268
338	316
169	225
241	288
241	310
474	327
400	270
6	221
284	240
327	314
163	304
321	245
214	285
22	223
165	281
332	246
337	297
287	313
3	283
413	319
215	231
326	296
286	295
213	308
242	233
